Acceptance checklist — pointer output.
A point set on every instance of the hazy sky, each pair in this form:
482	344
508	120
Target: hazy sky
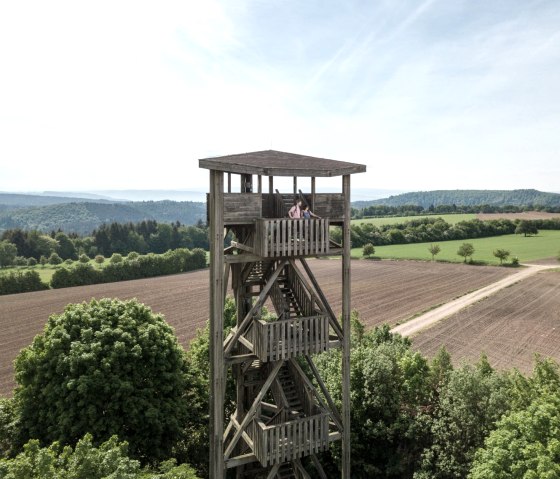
429	94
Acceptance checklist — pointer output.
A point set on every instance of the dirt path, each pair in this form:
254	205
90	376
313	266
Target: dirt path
431	317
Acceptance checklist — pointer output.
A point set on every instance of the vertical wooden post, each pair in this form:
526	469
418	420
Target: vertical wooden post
270	185
217	368
260	184
346	309
295	185
313	193
229	182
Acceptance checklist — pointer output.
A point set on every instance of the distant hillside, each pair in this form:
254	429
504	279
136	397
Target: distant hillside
468	198
22	200
84	217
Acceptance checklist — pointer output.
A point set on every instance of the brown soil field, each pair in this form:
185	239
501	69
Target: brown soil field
509	327
526	215
382	291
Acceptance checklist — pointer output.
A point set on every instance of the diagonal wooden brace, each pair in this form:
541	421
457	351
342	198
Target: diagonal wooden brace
230	342
251	412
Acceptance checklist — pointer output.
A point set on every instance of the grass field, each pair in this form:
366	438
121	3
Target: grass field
545	245
391	220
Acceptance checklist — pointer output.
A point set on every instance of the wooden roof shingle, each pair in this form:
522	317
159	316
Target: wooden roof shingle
279	163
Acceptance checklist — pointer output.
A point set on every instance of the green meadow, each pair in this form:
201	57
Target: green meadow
545	245
391	220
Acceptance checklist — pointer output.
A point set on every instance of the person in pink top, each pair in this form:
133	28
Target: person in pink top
295	211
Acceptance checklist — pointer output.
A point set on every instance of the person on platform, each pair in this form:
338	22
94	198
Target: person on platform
295	211
308	214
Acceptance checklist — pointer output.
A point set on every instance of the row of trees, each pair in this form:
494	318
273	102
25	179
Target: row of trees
133	266
423	230
466	250
377	211
112	369
122	238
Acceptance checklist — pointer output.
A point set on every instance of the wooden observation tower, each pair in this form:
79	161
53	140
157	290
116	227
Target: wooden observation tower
283	414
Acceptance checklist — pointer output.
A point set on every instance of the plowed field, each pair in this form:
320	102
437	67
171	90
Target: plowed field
510	327
382	291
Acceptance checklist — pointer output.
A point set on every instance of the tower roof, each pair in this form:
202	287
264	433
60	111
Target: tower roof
279	163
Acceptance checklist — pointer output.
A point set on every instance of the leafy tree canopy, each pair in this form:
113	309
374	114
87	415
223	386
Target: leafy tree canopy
107	367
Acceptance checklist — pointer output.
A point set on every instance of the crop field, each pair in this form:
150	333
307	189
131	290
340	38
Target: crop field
545	245
509	327
391	220
382	291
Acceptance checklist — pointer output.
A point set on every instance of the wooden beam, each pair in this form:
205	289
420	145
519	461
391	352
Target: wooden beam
217	366
313	193
295	185
346	311
324	389
260	184
229	182
318	466
333	320
273	471
241	460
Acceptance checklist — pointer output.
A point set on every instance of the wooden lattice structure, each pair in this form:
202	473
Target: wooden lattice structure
283	415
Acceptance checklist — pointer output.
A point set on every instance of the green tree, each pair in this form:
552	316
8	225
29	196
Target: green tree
83	258
390	389
116	258
85	461
54	259
466	250
45	245
8	426
107	367
470	403
8	253
43	260
434	250
525	444
368	250
31	261
527	228
501	254
99	259
65	248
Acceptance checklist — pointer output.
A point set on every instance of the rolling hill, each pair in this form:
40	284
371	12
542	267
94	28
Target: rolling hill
83	217
468	198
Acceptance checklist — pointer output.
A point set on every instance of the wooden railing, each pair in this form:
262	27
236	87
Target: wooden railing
292	237
291	440
286	338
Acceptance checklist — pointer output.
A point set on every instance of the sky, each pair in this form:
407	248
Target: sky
428	94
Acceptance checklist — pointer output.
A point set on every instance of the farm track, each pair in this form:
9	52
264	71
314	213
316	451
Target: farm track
431	317
382	292
510	327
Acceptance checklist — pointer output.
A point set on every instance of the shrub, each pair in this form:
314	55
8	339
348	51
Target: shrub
31	261
80	275
21	282
83	258
68	261
515	261
368	250
20	261
54	259
107	367
99	259
116	258
132	255
43	260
